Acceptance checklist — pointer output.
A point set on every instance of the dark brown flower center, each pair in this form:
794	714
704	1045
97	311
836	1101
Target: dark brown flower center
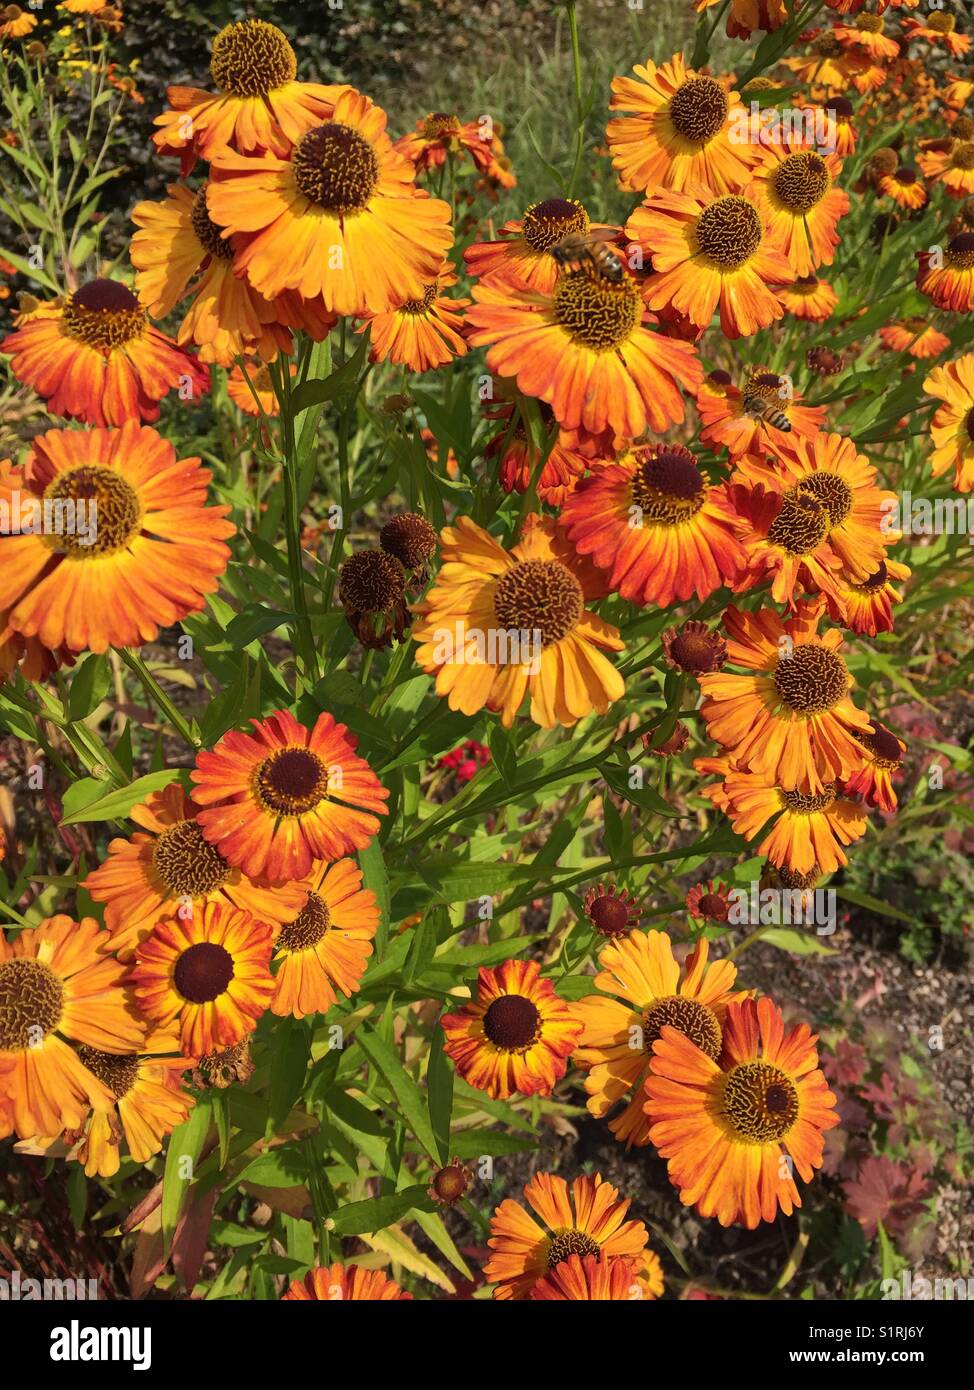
420	306
827	46
960	251
905	175
31	1004
103	315
539	595
940	23
291	781
203	972
610	915
307	929
594	311
187	864
252	58
698	109
336	168
689	1017
875	581
206	231
119	1074
451	1182
760	1101
546	223
962	155
438	125
410	539
800	526
802	180
668	485
812	679
371	581
870	23
805	804
697	652
512	1023
100	512
570	1242
712	905
832	492
729	231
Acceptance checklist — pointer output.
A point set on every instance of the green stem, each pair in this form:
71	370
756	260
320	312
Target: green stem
158	696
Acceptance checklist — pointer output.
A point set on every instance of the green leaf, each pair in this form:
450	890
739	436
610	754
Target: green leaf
289	1066
407	1093
375	877
184	1148
77	1187
859	899
799	943
90	684
645	796
283	1167
117	804
341	382
365	1218
253	622
439	1085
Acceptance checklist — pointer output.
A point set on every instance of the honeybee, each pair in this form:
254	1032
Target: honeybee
589	253
760	409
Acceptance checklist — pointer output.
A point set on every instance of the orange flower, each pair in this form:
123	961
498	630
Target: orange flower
829	469
938	28
866	605
178	251
522	252
588	1218
325	947
726	1126
277	799
440	134
785	539
95	357
917	336
57	988
809	298
423	333
168	869
747	419
518	456
709	252
584	350
338	1283
796	188
653	523
952	427
500	626
208	976
947	278
806	831
906	190
144	554
679	132
790	716
516	1037
884	756
953	167
643	991
258	105
591	1279
337	216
